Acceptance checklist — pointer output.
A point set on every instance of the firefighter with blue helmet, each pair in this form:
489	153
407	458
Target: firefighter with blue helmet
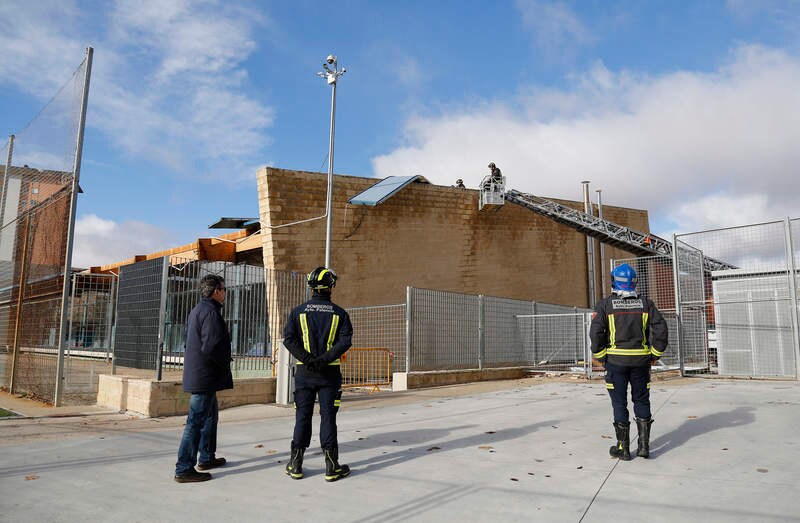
318	333
628	335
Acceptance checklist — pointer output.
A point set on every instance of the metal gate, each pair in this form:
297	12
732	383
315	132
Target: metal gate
690	309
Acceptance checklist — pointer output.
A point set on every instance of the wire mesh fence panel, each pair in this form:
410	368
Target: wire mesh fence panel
285	291
444	330
751	327
88	348
656	281
138	314
244	311
382	326
502	336
557	341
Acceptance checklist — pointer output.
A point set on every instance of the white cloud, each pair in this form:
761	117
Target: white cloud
660	143
556	29
168	84
99	241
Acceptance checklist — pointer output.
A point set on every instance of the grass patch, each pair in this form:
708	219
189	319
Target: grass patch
7	413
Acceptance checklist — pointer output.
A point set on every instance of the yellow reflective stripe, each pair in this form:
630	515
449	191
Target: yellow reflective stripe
335	362
609	385
655	352
612	329
600	354
644	329
337	403
332	333
629	352
648	385
304	327
319	278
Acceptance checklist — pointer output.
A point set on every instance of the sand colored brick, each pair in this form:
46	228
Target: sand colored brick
426	236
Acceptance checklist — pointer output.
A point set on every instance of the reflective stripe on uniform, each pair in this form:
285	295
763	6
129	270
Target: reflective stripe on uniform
644	331
304	327
600	354
337	403
609	385
332	336
655	352
612	330
636	351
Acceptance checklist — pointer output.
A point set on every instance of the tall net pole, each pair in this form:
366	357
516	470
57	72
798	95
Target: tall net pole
62	333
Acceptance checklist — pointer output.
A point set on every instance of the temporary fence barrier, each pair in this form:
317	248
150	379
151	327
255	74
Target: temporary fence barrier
366	367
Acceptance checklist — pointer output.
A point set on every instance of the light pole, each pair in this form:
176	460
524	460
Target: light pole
331	76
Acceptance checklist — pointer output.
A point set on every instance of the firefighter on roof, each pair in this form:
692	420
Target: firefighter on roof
628	334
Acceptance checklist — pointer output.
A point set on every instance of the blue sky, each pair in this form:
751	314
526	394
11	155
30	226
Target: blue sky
689	109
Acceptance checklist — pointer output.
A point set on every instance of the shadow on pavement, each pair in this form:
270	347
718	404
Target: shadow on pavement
691	428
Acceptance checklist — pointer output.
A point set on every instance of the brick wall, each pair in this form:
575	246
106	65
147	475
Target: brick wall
426	236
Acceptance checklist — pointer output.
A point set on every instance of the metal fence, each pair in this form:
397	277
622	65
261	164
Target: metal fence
744	320
383	327
40	170
156	297
451	331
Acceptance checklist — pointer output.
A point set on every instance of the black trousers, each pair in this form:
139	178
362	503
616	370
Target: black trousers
617	379
306	391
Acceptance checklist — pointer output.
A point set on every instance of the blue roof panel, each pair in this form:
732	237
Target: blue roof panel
383	190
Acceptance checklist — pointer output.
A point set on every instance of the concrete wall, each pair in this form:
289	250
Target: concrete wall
427	236
166	398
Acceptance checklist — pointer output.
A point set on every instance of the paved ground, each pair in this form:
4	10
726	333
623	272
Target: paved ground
511	451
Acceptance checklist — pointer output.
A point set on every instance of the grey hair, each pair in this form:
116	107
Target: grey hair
209	283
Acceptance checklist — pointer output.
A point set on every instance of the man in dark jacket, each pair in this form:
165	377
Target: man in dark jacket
206	369
318	333
628	334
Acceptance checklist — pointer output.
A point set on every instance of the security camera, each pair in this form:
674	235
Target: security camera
331	59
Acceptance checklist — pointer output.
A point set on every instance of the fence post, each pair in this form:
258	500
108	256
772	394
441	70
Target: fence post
793	294
533	335
481	331
17	328
409	326
76	176
677	285
162	316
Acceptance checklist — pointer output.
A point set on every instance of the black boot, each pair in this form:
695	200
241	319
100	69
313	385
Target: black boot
644	436
333	470
622	449
295	466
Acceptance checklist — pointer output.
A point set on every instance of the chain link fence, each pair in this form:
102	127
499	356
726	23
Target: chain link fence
40	168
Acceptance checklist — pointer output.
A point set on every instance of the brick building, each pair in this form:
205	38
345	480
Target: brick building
426	236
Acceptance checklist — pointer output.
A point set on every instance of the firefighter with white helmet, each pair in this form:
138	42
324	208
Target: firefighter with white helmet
628	334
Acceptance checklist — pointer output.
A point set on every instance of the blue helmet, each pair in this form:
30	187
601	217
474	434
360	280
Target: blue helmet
623	278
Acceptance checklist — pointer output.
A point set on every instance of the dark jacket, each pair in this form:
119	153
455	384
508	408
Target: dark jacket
207	359
628	331
318	329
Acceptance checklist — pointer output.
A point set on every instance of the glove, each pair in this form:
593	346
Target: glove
314	365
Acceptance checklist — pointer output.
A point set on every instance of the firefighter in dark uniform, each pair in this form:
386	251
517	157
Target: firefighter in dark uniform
628	335
318	333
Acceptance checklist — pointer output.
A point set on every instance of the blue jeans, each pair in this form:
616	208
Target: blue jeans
200	433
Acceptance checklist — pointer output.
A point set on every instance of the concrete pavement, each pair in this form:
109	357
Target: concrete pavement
507	451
